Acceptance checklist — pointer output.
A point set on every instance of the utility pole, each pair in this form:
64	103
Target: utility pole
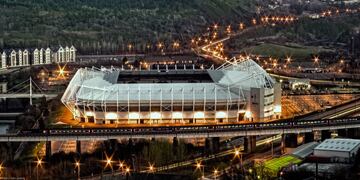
30	95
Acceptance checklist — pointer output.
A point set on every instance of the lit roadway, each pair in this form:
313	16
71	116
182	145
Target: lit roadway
9	96
341	111
317	81
201	131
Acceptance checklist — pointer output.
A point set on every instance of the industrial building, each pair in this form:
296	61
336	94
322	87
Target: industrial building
237	90
339	150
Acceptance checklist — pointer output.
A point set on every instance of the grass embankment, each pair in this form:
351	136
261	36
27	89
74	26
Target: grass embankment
280	51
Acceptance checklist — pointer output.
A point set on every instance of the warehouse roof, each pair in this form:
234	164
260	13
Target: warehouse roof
339	144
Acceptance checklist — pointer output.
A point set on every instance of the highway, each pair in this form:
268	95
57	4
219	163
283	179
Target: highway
201	131
318	81
336	112
8	96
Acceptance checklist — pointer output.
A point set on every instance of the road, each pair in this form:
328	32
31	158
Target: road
203	131
8	96
318	81
213	156
191	162
336	112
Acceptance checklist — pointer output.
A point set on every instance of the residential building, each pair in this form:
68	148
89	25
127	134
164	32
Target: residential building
41	56
48	56
13	58
20	57
72	54
3	59
36	59
26	57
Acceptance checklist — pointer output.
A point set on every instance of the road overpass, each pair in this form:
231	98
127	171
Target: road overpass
201	131
23	95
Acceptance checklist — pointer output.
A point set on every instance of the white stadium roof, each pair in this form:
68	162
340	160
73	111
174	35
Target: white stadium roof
231	82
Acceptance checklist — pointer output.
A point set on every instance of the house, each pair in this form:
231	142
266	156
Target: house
36	57
48	56
61	55
3	59
26	57
72	54
20	57
13	58
67	54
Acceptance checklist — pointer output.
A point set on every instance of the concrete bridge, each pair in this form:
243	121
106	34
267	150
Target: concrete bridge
23	95
191	131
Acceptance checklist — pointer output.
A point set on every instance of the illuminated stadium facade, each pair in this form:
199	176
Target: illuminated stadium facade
237	90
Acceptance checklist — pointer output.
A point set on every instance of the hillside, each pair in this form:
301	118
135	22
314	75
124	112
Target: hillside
107	26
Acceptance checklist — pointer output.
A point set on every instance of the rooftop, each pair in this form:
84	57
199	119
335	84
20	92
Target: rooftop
339	144
230	81
305	150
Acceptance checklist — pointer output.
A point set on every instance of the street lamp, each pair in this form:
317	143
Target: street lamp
121	165
288	59
215	173
272	147
127	170
38	163
1	169
108	162
77	165
151	168
316	60
238	154
201	168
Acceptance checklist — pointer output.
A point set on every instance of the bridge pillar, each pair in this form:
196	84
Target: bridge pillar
47	150
309	137
325	134
249	144
342	132
175	146
207	148
78	147
215	144
212	145
349	133
290	140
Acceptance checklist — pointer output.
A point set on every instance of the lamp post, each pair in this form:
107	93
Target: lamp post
77	164
1	170
201	168
215	173
238	154
108	163
151	168
272	147
38	163
121	166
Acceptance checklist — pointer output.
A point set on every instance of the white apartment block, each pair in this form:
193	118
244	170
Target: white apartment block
72	54
20	57
48	56
41	56
26	57
3	60
13	58
37	56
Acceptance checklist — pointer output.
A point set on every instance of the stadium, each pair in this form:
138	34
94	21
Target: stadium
235	91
